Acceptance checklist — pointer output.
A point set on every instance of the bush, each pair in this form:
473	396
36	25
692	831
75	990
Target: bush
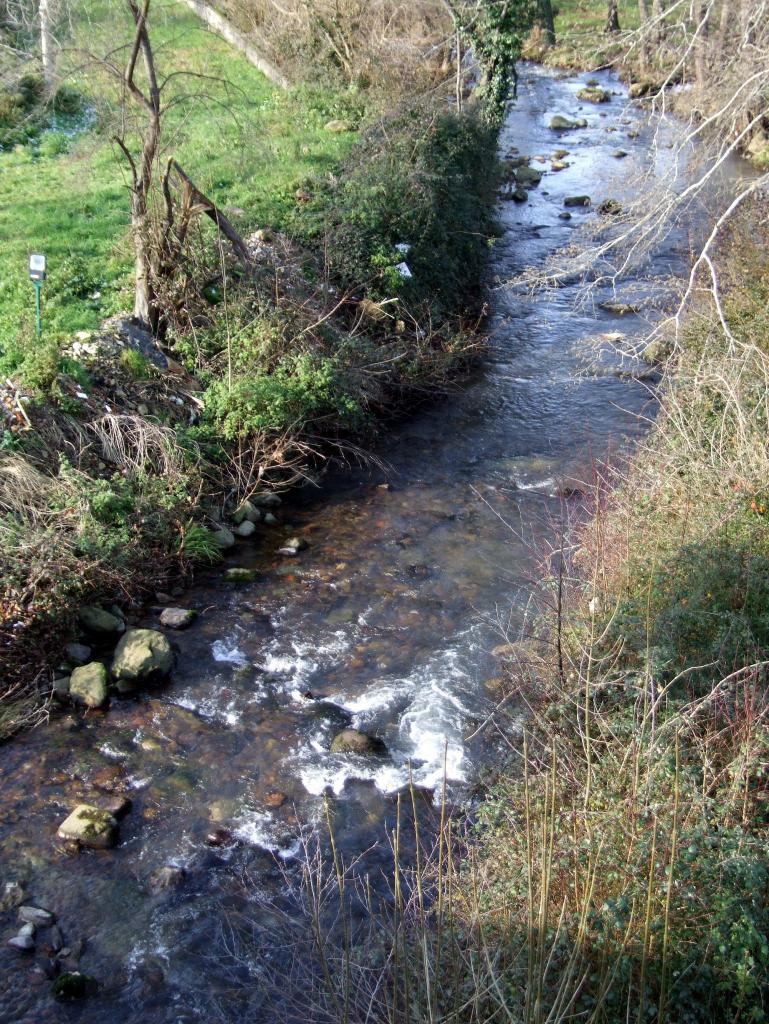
301	391
425	179
53	144
21	111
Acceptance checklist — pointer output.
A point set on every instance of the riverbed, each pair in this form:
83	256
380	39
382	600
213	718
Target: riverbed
417	567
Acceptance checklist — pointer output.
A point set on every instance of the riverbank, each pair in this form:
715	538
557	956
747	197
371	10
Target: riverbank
356	294
621	860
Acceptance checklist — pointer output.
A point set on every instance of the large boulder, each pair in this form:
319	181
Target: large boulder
564	124
527	176
88	685
594	94
89	826
351	741
142	654
97	620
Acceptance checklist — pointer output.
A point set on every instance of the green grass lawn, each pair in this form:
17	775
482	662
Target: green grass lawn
579	30
245	143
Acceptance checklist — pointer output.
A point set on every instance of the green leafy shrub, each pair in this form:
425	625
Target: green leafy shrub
53	144
301	390
424	179
21	112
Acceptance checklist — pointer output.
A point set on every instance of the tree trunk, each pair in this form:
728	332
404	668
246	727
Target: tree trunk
643	13
548	22
47	46
658	11
723	26
612	16
228	32
702	29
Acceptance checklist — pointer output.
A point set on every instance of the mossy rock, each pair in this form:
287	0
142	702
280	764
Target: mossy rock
142	654
97	620
239	575
565	124
71	986
577	201
89	826
88	685
594	94
528	176
352	741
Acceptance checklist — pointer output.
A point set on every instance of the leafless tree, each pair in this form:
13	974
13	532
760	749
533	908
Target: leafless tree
160	223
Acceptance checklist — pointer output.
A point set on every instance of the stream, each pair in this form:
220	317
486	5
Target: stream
388	620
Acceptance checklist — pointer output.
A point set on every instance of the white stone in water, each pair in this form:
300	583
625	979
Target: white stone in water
36	916
177	618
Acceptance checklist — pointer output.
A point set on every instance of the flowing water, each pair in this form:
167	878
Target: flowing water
388	620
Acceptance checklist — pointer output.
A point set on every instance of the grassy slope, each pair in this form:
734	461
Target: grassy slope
580	39
249	157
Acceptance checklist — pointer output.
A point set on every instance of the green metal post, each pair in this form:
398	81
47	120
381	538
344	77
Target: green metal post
38	285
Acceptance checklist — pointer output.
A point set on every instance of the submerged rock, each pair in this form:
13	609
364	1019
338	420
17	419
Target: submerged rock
88	685
177	618
619	308
168	877
71	985
352	741
24	940
246	529
239	575
61	689
97	620
141	655
90	826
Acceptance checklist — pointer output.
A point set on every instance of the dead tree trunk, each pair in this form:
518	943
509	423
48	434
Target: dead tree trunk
145	305
228	32
612	16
